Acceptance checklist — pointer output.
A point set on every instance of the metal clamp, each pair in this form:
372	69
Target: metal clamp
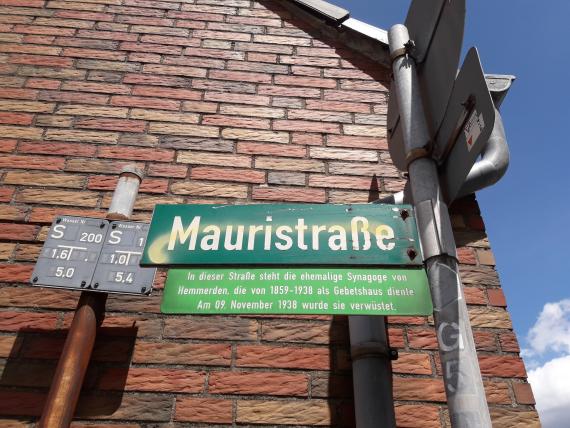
372	349
437	235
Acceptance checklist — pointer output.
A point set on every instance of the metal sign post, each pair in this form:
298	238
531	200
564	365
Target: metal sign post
66	385
462	378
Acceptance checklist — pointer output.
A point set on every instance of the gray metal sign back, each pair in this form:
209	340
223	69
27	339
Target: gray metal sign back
70	253
470	93
467	126
436	26
118	270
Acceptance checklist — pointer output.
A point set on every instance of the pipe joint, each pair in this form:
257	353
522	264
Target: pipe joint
372	349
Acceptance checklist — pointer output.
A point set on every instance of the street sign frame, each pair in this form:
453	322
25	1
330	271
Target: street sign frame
298	291
374	234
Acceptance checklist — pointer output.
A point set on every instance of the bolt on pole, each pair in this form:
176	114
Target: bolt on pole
68	378
461	374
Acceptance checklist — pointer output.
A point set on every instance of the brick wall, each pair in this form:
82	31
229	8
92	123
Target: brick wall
219	101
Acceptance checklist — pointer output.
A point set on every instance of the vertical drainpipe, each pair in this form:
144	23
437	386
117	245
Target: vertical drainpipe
371	372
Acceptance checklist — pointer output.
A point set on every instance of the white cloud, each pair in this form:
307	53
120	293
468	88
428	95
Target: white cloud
551	387
551	332
550	381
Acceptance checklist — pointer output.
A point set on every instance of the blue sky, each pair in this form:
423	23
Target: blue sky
526	212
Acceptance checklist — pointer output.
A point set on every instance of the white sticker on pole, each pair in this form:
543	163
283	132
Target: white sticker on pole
473	129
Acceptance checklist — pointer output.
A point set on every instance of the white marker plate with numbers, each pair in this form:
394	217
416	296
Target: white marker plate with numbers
70	253
118	270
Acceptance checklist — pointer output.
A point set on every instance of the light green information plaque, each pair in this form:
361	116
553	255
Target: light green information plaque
323	291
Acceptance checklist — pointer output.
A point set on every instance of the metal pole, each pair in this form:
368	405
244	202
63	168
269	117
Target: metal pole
371	372
67	381
461	374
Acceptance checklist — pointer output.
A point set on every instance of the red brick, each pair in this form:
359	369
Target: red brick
338	106
112	124
32	162
6	193
199	16
422	339
355	96
19	232
136	153
306	126
21	94
343	182
271	149
307	139
14	321
227	174
415	389
152	380
237	98
240	76
106	182
291	194
501	366
509	342
83	15
289	91
305	81
466	256
176	93
357	142
260	383
23	3
170	40
44	60
40	40
474	296
171	171
485	341
42	29
233	121
106	88
412	363
140	20
107	35
73	97
144	57
145	102
278	357
417	416
214	53
94	53
46	215
43	83
66	149
7	145
204	410
496	297
151	79
523	393
151	47
16	118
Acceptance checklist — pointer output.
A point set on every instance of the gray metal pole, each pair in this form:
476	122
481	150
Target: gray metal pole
68	379
461	374
371	372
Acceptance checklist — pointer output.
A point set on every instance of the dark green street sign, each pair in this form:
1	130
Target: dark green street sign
283	234
324	291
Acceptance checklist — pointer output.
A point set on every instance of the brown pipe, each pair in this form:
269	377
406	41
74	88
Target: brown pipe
68	379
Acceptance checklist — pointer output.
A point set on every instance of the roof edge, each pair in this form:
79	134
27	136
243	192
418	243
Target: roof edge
325	9
366	39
